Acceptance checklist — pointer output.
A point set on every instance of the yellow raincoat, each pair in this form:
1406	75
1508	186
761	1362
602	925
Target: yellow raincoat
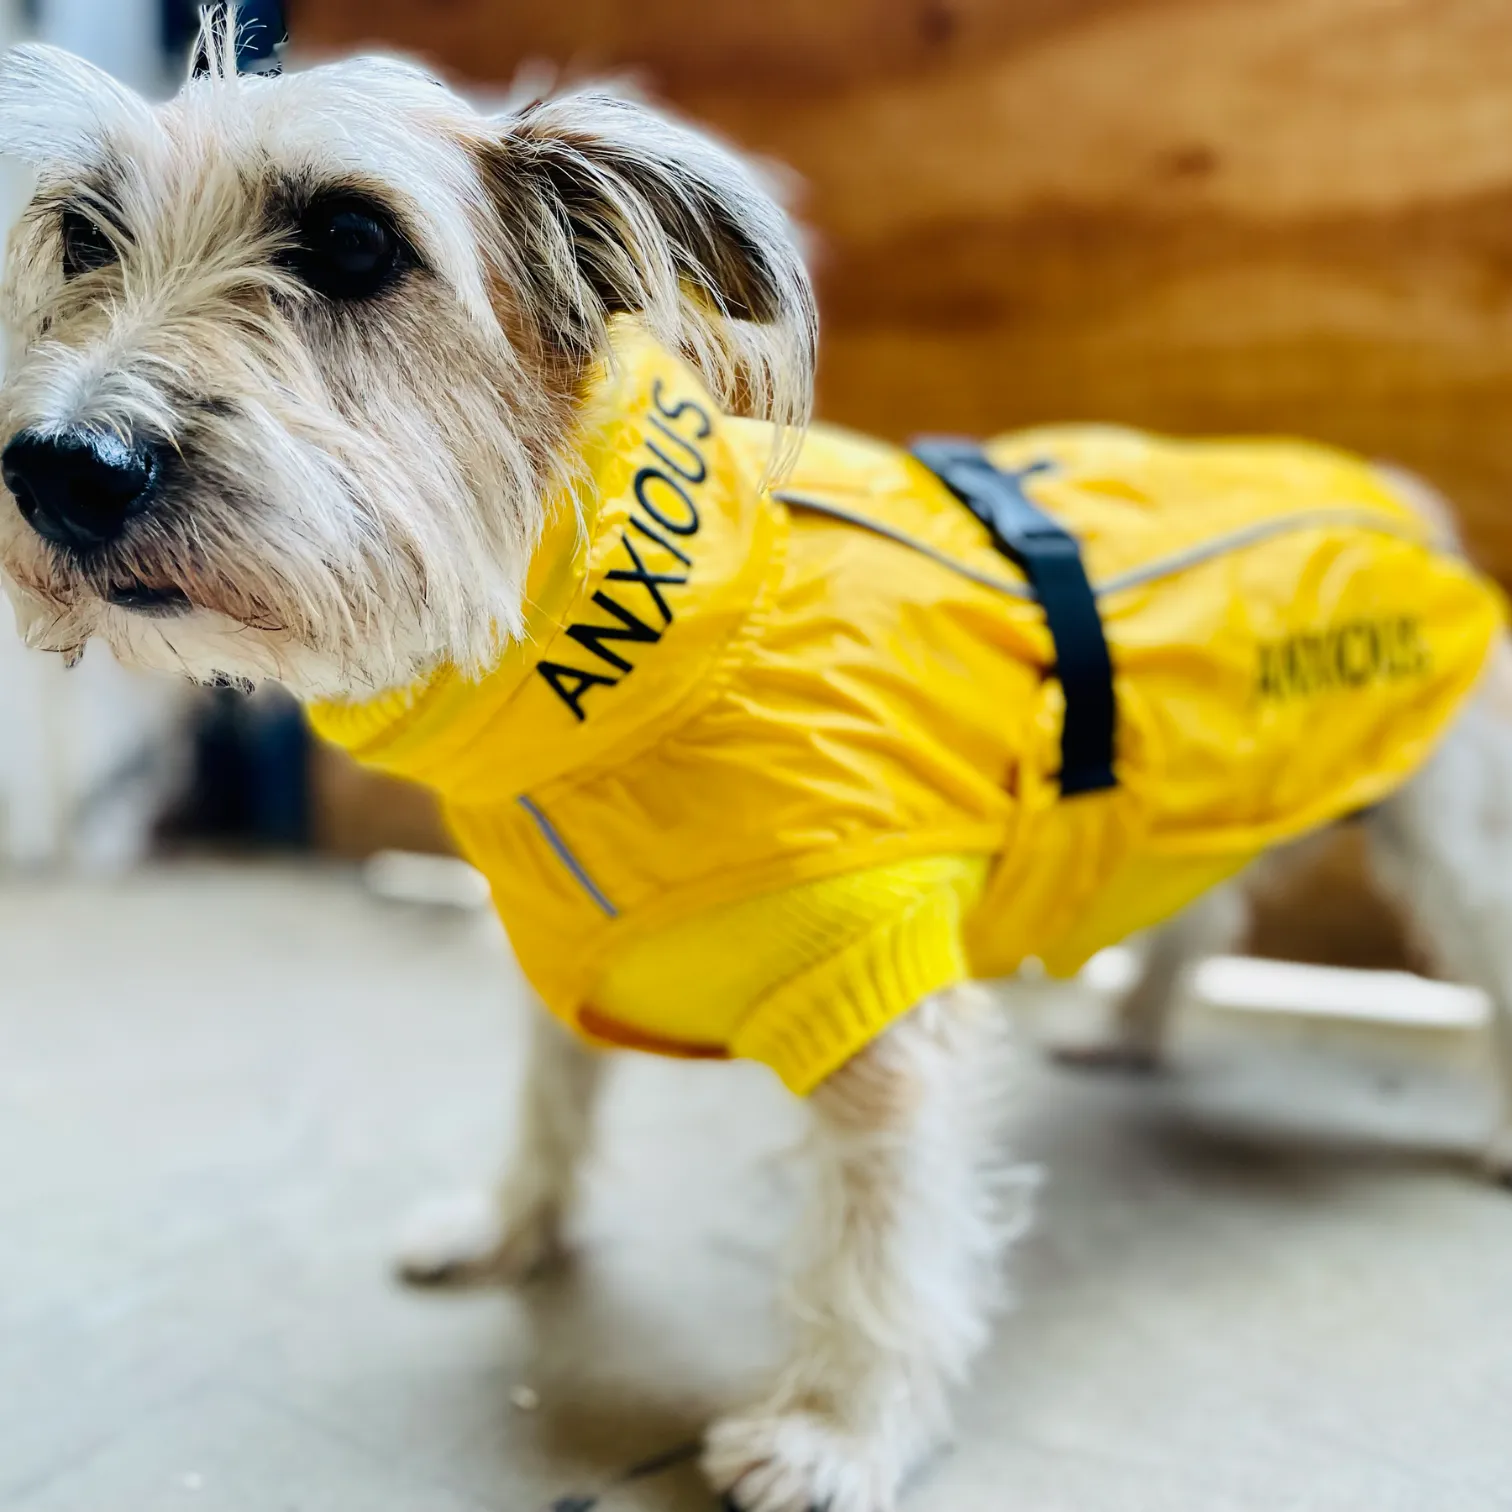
768	767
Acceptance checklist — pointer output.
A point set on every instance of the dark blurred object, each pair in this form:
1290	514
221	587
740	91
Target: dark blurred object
250	783
1329	914
260	31
356	812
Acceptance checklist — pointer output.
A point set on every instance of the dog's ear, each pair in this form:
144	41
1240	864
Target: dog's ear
605	206
56	108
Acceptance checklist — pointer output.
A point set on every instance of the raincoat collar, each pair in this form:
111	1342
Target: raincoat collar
644	576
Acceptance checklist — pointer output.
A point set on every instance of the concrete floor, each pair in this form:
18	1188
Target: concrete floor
1265	1283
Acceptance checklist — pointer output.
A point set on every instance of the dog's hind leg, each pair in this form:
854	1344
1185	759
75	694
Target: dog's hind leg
508	1234
1140	1024
913	1208
1443	847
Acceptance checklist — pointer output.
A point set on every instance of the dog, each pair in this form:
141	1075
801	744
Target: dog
436	418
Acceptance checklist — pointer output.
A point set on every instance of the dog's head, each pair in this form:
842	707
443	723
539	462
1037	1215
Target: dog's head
294	361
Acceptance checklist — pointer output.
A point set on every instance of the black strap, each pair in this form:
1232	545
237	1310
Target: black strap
1051	559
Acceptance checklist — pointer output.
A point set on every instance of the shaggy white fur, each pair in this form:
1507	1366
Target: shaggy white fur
913	1205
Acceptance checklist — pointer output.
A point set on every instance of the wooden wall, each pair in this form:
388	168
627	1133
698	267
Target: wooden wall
1193	214
1198	215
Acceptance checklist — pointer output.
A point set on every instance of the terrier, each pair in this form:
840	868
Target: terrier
486	436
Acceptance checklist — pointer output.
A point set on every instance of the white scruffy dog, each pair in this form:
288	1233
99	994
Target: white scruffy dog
293	478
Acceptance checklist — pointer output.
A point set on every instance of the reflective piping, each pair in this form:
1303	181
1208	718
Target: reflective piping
1135	577
565	856
1263	530
986	579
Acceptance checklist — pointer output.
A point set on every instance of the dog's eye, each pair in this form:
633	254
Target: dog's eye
86	244
348	248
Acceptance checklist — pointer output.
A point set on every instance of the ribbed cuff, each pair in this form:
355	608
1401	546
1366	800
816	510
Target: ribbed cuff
813	1024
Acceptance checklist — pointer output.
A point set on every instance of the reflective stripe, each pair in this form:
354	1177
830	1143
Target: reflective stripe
565	856
1135	577
1263	530
834	512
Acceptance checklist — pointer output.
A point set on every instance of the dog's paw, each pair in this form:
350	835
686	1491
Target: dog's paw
798	1462
475	1238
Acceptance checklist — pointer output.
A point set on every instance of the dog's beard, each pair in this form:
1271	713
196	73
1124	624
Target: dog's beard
278	572
341	546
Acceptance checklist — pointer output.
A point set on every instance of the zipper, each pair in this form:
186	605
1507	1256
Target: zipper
580	873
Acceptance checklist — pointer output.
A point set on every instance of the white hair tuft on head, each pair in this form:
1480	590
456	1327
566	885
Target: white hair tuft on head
55	107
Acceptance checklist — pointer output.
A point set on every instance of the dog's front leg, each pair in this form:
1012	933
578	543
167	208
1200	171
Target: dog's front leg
910	1216
508	1234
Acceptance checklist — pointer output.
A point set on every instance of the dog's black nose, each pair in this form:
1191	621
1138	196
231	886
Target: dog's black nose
77	487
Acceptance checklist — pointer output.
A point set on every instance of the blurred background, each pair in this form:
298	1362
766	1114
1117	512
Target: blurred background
1268	1280
1193	215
